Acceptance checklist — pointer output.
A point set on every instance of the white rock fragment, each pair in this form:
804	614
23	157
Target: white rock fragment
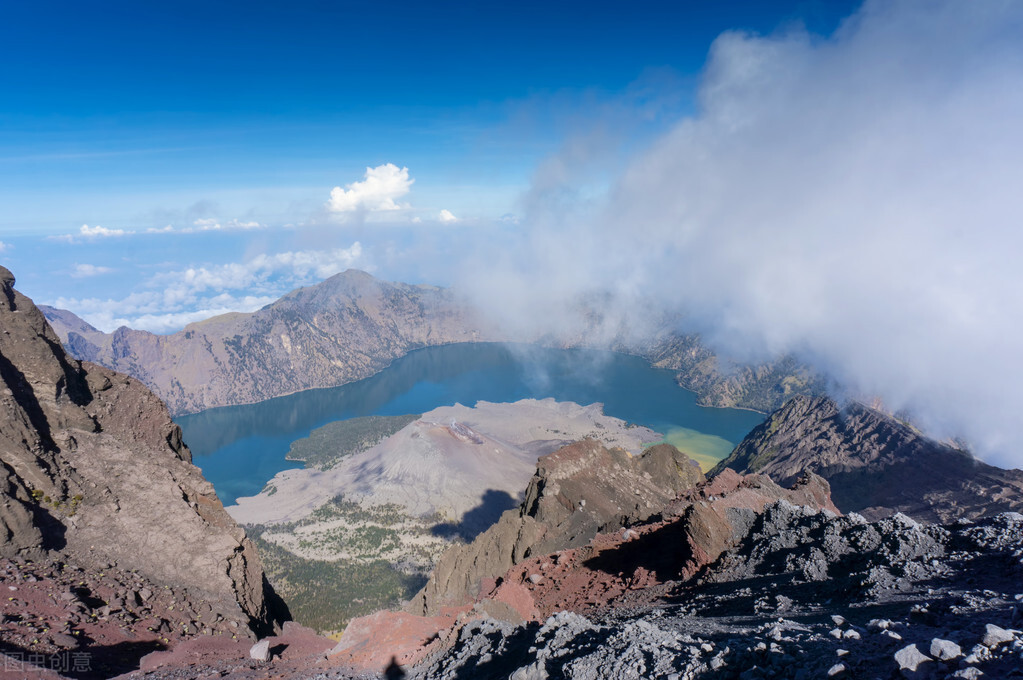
837	669
994	636
970	673
945	650
910	658
260	651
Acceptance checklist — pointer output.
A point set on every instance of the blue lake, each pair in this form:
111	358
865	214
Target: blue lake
239	448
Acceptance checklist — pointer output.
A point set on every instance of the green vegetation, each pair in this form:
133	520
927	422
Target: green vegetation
326	446
326	595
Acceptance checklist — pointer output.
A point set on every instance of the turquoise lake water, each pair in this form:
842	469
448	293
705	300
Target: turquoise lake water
239	448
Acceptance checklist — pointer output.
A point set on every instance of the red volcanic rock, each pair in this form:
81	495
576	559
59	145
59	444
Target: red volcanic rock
633	565
373	642
577	492
644	562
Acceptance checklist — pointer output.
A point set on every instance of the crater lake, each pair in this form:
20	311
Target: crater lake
240	448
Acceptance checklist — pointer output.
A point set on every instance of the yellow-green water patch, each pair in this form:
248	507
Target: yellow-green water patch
705	449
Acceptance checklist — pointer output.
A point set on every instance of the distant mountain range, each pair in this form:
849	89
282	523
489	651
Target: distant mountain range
353	325
343	329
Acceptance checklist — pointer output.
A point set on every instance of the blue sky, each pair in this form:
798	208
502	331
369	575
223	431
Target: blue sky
138	139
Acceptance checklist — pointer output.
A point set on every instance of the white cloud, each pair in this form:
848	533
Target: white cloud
853	199
4	246
82	271
161	230
446	216
179	297
100	232
89	233
207	224
379	191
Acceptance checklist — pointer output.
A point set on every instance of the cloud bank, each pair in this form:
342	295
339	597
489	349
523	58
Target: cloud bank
852	199
379	191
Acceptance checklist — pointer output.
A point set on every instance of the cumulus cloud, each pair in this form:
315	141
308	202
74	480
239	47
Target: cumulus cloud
4	246
446	216
100	232
82	271
853	199
379	191
90	233
178	297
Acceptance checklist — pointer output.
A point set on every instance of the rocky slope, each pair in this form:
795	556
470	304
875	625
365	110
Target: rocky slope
353	325
343	329
94	478
803	594
576	492
876	464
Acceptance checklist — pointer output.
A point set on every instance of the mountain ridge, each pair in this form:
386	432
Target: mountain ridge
353	325
876	465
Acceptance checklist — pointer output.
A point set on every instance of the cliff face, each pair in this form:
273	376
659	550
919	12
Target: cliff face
875	464
94	472
577	491
343	329
761	387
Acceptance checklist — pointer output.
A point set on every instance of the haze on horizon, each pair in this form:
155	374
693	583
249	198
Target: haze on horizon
837	182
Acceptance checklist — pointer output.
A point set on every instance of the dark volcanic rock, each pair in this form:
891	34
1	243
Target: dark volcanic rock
93	472
875	464
805	594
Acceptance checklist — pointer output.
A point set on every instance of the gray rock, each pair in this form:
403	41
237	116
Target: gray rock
260	651
64	640
910	658
945	650
994	636
533	671
969	673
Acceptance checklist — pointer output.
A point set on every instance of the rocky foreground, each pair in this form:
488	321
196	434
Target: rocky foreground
805	594
113	544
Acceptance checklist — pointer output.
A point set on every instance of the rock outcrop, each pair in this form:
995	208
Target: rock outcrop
93	473
587	567
802	594
876	465
577	491
343	329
